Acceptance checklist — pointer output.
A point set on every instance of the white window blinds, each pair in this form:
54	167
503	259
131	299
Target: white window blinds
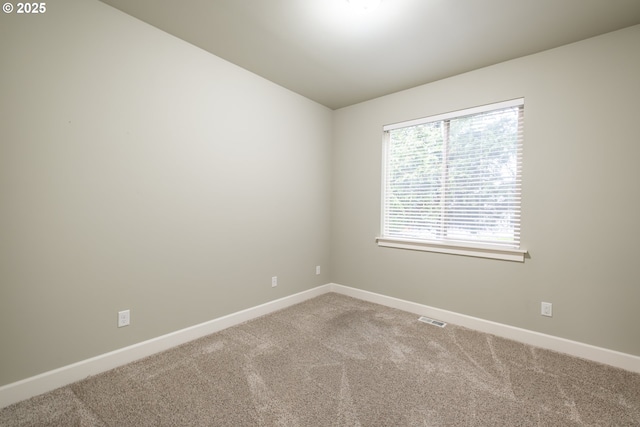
456	177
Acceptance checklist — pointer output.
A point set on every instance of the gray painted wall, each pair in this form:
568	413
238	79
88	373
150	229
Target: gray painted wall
139	172
581	196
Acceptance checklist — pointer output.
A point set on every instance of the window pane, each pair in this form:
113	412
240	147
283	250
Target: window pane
414	181
482	172
456	179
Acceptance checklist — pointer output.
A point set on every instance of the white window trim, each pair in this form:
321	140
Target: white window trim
465	249
455	114
481	251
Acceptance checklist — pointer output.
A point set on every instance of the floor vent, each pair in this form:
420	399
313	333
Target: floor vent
438	323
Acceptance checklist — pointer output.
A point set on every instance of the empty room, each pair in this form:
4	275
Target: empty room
320	213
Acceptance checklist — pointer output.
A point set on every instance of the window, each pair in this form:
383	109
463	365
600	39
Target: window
452	182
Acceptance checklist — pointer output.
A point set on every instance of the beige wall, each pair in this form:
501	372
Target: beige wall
139	172
581	196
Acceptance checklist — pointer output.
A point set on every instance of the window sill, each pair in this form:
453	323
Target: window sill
482	251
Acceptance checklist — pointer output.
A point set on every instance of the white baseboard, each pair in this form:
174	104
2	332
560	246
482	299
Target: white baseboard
618	359
48	381
51	380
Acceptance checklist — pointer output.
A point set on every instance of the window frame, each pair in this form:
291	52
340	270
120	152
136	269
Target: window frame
443	246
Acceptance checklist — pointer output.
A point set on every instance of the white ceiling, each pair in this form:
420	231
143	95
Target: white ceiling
336	54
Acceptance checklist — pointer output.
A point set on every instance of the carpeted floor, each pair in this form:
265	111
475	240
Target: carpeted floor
339	361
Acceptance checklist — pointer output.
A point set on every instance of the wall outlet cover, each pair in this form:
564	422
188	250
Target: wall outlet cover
124	318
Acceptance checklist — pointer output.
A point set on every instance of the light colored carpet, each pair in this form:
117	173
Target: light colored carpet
339	361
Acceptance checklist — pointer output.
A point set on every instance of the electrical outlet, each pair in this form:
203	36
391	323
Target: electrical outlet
546	309
124	318
274	281
317	269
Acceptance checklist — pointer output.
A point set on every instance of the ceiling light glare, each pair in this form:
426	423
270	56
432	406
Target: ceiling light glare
365	4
